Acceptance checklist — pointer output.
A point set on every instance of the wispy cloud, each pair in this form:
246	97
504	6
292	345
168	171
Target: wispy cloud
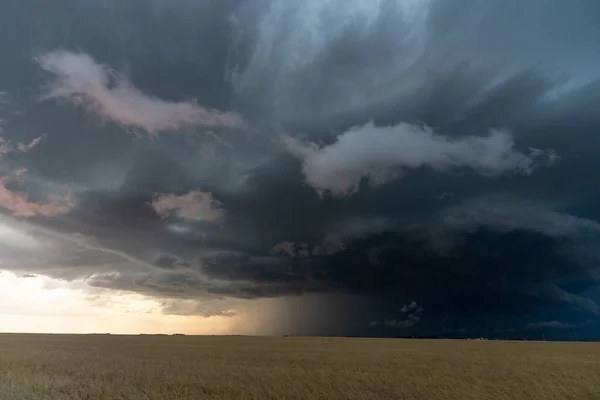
196	205
381	154
93	86
5	147
559	294
25	147
506	214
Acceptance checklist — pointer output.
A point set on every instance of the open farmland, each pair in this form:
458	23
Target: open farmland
194	367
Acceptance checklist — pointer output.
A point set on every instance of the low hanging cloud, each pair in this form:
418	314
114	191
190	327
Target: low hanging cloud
195	205
96	88
550	324
206	309
412	314
381	154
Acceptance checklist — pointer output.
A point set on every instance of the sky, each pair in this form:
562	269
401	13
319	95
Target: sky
340	167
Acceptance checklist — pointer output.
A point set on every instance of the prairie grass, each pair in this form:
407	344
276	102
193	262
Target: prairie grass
73	367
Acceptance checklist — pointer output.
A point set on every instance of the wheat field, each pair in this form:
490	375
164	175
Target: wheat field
97	367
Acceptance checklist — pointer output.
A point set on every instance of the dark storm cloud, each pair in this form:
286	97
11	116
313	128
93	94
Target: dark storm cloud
167	261
551	324
412	315
393	153
312	61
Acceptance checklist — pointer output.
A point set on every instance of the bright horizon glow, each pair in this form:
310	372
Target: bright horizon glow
44	305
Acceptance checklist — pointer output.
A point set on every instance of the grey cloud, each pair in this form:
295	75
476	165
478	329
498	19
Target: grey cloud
557	293
167	261
505	214
357	59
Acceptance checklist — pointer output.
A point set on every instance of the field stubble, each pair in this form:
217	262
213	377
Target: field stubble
72	367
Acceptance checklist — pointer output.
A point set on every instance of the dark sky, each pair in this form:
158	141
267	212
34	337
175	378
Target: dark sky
369	167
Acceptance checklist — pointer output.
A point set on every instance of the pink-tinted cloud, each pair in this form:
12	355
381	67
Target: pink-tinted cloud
18	175
17	202
20	206
83	81
25	147
196	205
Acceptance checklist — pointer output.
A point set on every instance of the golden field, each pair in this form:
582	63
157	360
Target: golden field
99	367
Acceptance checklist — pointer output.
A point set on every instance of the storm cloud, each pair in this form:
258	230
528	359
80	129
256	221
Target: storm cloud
384	168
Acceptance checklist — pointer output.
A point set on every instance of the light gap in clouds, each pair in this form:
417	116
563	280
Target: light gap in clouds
42	304
86	83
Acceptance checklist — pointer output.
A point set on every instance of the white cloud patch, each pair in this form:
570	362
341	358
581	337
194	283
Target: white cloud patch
381	154
98	89
195	205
